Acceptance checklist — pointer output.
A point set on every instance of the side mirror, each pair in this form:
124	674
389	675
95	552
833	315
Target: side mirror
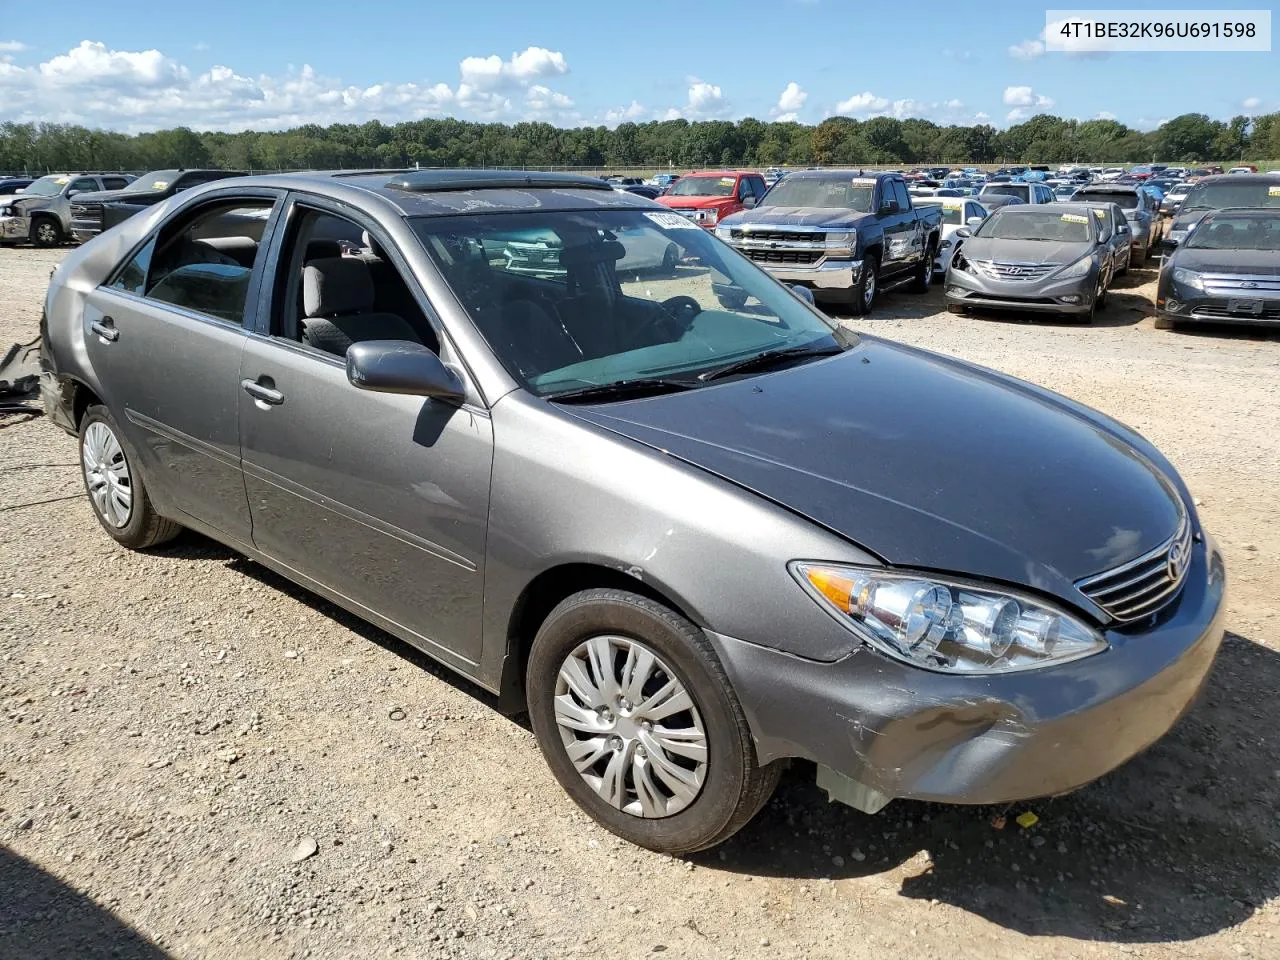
1103	236
804	293
973	222
889	206
1123	228
749	201
964	232
401	366
74	193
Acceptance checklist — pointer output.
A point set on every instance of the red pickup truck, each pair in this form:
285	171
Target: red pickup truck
707	198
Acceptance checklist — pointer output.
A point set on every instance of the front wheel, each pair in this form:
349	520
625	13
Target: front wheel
864	293
637	720
46	232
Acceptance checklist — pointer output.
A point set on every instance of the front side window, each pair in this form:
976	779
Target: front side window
900	194
203	263
83	185
634	295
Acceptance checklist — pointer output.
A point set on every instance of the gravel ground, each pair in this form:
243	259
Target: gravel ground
197	759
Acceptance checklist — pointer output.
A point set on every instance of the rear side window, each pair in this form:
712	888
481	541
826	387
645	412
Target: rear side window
114	183
83	184
202	264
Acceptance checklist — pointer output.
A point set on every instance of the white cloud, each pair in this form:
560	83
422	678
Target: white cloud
706	102
535	63
1251	103
793	97
866	102
1027	50
981	117
1104	115
200	46
11	46
140	90
634	112
1024	97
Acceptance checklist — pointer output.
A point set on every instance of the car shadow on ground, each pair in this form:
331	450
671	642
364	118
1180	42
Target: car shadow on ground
41	918
1180	843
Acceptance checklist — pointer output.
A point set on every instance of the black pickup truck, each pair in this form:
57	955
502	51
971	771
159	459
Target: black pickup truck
91	213
843	234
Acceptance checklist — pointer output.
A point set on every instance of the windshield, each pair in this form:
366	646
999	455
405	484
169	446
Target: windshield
702	187
950	213
1237	232
569	300
845	193
1215	196
1006	190
1035	223
155	180
46	187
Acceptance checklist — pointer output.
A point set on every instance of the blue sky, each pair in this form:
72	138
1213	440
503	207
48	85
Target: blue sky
266	65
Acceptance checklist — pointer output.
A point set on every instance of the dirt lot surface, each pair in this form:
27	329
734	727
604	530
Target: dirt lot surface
174	725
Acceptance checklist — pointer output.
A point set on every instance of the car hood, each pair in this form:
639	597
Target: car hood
695	203
802	217
1025	251
927	462
29	203
1265	263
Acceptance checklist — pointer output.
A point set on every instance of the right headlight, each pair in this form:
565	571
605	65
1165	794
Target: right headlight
1188	278
948	626
1078	269
1176	236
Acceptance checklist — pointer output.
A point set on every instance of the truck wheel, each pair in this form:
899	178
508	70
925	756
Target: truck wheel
46	232
637	719
924	276
864	294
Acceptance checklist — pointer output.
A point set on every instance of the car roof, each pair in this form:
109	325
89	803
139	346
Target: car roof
1268	178
441	193
1243	211
1112	187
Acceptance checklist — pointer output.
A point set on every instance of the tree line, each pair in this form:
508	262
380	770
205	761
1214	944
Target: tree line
1192	137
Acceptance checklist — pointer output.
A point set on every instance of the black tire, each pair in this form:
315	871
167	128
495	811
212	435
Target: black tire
1142	259
144	527
923	279
46	232
734	788
862	300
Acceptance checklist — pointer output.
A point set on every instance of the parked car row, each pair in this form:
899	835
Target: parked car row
690	525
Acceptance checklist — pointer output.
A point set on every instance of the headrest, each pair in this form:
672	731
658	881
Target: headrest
580	254
336	285
319	249
371	244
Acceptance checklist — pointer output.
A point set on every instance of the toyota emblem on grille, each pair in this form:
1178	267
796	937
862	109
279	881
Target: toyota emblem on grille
1176	563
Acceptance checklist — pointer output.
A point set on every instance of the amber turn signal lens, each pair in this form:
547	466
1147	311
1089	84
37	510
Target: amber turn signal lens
836	588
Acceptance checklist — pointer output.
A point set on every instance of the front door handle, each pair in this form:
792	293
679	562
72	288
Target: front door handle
106	329
262	392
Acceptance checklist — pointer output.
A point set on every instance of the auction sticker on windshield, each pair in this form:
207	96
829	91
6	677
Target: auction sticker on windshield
863	182
1100	214
1073	218
1273	191
159	184
672	221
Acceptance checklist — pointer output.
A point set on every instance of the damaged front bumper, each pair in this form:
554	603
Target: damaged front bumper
14	228
885	730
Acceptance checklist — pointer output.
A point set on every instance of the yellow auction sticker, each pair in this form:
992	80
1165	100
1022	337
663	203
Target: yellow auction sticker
1073	218
62	180
726	181
1273	191
159	184
1100	214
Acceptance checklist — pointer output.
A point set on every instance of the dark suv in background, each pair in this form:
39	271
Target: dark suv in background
91	213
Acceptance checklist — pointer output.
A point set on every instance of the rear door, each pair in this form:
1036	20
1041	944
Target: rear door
378	499
164	336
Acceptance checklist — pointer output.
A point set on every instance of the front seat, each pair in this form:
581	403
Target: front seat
337	297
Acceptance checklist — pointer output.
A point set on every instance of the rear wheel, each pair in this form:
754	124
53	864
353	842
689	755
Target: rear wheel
864	292
116	491
46	232
1141	258
924	275
637	720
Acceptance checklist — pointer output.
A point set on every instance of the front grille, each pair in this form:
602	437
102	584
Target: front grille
778	236
1231	285
1015	272
86	217
1141	587
1211	311
784	256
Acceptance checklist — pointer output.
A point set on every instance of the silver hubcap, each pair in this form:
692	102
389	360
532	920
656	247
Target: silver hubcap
106	473
869	292
630	727
45	232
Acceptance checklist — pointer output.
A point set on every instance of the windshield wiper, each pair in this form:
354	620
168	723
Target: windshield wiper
620	389
769	358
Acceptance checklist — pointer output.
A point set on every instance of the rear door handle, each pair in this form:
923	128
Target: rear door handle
106	329
262	393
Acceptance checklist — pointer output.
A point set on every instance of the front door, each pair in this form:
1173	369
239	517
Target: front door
180	303
380	499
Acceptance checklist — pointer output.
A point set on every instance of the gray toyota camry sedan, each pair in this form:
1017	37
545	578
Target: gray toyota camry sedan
693	541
